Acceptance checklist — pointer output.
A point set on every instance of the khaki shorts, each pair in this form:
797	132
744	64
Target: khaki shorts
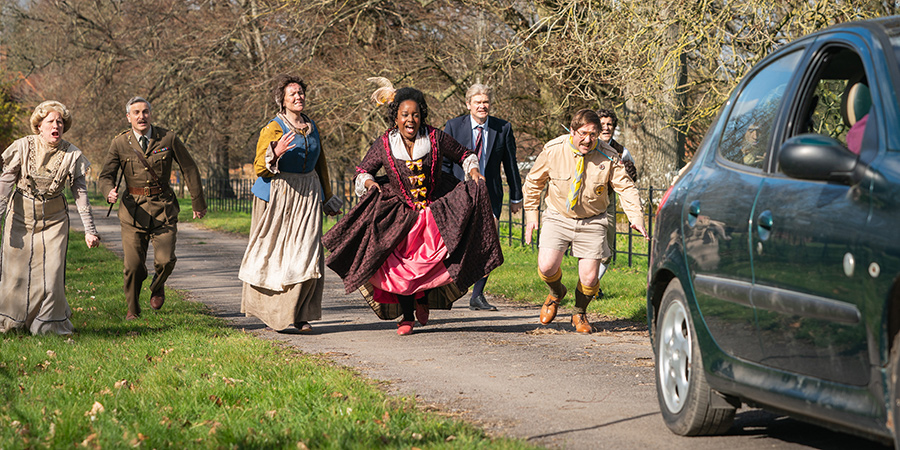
587	236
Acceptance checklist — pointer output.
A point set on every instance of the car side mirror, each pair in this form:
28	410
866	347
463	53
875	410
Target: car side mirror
820	158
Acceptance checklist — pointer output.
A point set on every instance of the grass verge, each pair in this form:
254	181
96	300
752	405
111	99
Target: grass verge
180	378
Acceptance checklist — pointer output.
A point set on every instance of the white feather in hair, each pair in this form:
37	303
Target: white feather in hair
385	92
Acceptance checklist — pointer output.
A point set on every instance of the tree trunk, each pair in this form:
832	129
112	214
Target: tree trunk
657	147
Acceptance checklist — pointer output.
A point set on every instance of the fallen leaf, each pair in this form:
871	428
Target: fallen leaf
96	409
120	384
89	441
270	414
51	353
231	381
216	400
301	446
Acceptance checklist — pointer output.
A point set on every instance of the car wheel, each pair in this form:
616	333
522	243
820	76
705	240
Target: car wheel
689	407
895	389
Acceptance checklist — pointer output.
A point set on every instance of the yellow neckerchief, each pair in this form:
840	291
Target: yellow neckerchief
577	180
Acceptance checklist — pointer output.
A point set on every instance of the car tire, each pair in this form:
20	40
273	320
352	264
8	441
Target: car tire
688	405
895	389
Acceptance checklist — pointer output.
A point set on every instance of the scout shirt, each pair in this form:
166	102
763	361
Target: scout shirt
556	165
156	209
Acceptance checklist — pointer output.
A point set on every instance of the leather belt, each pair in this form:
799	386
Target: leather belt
145	191
34	196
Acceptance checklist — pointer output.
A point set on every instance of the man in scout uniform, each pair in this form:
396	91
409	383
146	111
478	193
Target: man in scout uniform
149	209
578	167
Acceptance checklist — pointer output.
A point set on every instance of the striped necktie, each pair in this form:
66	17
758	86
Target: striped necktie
479	140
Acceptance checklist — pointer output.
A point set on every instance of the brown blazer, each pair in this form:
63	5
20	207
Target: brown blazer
156	209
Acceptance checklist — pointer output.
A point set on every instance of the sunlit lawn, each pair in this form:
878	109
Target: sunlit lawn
180	378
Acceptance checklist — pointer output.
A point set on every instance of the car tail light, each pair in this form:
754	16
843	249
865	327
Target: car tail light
664	198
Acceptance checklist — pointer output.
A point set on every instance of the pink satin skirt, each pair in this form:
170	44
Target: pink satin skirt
416	265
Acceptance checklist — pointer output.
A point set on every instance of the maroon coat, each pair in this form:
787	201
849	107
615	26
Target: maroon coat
363	239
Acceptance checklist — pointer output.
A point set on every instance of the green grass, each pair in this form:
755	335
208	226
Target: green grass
180	378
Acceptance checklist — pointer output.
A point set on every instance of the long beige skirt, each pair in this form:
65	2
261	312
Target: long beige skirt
283	266
33	266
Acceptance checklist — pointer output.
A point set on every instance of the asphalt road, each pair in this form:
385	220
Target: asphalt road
500	370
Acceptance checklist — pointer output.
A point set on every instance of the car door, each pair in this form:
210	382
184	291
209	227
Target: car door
719	204
805	238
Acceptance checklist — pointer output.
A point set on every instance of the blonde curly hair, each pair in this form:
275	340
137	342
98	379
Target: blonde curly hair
44	109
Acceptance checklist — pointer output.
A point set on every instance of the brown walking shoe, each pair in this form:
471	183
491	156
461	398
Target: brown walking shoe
581	324
548	310
158	298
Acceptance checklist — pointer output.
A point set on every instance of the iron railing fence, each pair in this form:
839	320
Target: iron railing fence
234	195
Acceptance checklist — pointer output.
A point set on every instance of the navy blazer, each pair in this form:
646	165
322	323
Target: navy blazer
500	149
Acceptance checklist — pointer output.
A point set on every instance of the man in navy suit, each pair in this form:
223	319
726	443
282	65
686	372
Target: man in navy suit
492	140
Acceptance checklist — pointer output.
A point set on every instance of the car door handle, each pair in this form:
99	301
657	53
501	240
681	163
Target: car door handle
764	225
693	212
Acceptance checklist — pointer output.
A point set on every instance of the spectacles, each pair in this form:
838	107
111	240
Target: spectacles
583	136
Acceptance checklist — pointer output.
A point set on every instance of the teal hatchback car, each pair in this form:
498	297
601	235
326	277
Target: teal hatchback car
775	269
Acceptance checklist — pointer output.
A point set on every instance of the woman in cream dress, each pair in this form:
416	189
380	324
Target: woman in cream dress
36	169
283	266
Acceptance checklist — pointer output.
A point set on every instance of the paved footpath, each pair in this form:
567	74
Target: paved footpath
500	370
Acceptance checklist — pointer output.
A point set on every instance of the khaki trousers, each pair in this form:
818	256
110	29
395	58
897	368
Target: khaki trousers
135	241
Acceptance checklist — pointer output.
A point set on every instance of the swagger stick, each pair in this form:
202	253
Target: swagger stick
118	181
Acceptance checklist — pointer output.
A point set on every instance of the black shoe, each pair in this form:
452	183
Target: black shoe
479	303
599	294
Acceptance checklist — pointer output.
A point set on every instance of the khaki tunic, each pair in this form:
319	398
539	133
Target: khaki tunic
163	149
555	167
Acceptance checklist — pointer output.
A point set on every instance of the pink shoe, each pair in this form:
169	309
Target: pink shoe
422	313
404	328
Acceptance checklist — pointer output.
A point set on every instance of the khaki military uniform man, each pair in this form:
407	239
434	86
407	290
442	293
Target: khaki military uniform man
149	209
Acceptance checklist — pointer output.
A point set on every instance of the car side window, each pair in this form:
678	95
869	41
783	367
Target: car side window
838	103
748	130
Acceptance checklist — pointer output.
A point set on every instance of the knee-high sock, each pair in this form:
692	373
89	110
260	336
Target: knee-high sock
408	305
554	282
583	296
